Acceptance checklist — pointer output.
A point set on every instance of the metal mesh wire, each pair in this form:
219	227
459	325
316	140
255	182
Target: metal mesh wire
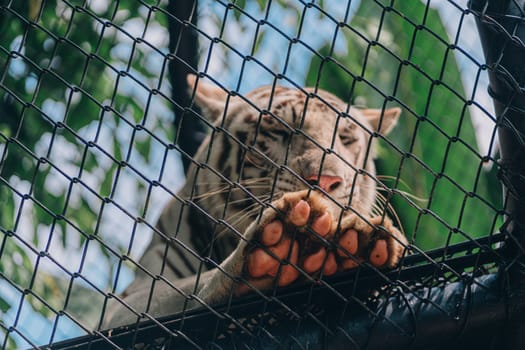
89	155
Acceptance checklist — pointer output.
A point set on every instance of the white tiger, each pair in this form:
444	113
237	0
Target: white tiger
284	189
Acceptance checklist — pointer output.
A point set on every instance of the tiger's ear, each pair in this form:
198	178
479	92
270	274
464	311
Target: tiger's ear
382	121
209	98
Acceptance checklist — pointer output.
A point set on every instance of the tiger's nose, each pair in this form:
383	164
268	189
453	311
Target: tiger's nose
327	182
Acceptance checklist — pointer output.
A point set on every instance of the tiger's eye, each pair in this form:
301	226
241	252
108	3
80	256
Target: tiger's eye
347	139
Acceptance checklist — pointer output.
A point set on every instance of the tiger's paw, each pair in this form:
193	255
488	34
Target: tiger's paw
303	238
293	240
375	240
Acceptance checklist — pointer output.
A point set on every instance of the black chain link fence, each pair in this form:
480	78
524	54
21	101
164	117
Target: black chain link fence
90	154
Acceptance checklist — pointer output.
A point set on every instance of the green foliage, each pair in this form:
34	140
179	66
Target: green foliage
433	146
67	107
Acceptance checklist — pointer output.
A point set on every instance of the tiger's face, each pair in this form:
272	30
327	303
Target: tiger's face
275	140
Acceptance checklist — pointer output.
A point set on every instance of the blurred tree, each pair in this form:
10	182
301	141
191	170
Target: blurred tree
79	82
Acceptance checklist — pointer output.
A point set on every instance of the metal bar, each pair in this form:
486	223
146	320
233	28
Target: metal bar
501	25
184	45
456	315
422	316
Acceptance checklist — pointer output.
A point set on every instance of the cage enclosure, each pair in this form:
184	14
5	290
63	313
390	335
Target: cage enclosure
265	174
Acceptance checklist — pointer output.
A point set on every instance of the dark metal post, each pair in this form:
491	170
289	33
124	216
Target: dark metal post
184	46
501	25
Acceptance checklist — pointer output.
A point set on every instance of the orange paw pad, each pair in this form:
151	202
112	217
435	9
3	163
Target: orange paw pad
323	224
272	233
379	254
349	243
300	213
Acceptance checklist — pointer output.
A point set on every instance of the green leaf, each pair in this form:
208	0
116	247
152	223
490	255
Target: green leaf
258	41
85	217
7	214
117	153
107	184
143	147
262	4
4	305
241	4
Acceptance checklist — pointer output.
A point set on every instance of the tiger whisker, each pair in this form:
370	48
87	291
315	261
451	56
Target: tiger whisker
262	199
226	189
383	189
389	207
210	193
251	180
238	217
236	201
393	178
247	184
